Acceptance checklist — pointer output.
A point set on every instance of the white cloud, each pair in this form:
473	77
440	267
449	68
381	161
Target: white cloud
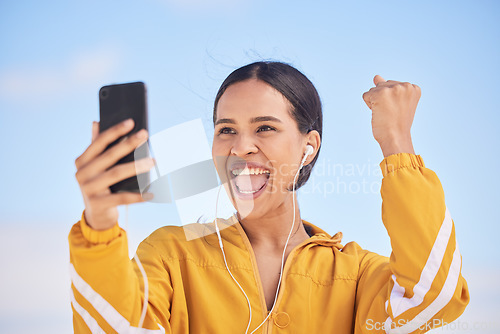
94	64
35	282
35	274
28	83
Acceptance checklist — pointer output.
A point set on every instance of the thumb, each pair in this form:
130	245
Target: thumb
378	79
95	130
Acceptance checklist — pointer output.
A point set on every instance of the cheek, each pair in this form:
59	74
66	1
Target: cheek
220	155
287	171
216	154
284	166
218	149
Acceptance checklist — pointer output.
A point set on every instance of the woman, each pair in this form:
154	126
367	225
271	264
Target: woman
266	114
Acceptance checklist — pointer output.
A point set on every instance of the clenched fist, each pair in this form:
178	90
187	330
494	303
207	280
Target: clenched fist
393	106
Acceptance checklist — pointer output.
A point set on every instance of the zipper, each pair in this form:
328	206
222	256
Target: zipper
267	326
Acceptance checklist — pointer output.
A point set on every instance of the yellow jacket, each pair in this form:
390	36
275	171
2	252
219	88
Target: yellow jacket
326	288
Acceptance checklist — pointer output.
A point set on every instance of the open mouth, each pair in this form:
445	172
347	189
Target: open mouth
249	180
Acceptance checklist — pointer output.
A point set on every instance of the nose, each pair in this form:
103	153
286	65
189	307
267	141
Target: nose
243	145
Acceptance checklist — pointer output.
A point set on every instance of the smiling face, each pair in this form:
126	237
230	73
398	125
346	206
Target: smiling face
257	147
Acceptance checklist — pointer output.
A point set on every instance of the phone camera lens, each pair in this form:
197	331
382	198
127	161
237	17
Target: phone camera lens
104	93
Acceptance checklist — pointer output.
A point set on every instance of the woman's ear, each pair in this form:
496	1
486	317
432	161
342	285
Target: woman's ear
314	139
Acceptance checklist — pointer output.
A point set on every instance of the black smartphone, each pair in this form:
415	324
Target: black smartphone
116	104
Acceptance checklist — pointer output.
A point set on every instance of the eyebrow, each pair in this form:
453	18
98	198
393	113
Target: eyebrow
253	120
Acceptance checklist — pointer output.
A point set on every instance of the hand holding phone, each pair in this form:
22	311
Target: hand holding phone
99	169
96	172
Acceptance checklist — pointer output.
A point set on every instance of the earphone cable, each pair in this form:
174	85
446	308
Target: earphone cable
225	262
284	250
282	257
144	276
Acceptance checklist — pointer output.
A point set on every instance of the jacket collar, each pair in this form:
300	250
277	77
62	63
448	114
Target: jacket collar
317	235
321	237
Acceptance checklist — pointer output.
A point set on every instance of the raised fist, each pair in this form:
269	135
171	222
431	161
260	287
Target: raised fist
393	106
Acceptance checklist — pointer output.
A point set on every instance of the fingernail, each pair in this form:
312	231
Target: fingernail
128	122
147	196
142	134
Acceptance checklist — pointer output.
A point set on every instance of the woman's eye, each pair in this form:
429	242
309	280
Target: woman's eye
225	131
265	128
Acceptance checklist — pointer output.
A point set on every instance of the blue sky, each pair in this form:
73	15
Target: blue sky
56	54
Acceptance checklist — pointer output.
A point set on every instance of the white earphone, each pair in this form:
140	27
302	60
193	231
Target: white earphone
309	150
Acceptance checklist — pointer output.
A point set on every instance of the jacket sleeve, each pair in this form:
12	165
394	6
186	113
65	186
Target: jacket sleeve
107	290
420	287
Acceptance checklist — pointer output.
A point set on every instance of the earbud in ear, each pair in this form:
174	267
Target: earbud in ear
309	150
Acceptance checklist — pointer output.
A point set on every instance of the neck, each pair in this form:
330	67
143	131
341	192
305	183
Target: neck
270	232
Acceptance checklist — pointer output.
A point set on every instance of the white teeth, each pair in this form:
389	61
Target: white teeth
249	171
247	192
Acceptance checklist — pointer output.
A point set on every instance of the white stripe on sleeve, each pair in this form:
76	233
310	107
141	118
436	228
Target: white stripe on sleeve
89	321
399	303
441	300
105	309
